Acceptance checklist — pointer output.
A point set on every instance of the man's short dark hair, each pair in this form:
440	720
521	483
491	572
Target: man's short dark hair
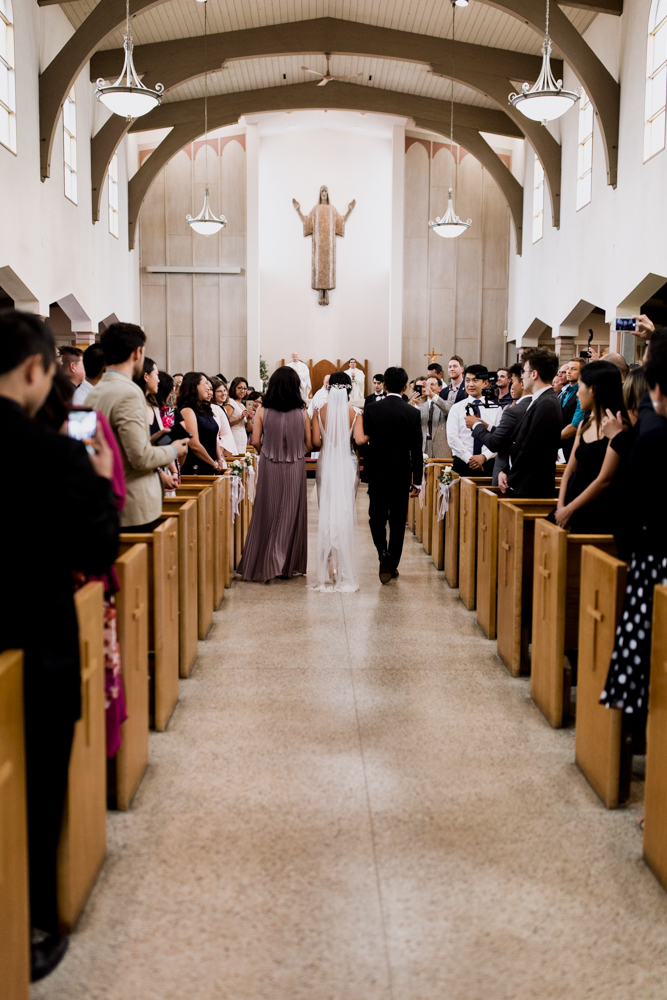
504	369
120	340
93	360
395	379
543	361
22	336
70	355
435	367
479	371
378	378
516	370
455	357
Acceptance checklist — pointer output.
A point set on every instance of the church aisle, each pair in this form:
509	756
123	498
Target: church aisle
354	801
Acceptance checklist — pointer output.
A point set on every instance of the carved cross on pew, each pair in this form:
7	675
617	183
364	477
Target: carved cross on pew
484	528
545	573
508	548
88	667
595	613
137	614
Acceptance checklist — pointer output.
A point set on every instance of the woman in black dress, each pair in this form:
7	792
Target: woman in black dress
149	383
589	492
194	409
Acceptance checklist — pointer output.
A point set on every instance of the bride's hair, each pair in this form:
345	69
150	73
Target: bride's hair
340	378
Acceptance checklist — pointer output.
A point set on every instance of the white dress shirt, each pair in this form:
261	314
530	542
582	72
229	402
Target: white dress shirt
80	393
460	437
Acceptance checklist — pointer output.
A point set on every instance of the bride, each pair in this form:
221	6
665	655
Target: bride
335	425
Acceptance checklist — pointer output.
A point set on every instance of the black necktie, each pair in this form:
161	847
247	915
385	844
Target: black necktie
477	445
431	406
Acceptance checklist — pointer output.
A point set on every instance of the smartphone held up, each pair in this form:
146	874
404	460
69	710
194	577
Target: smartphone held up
82	426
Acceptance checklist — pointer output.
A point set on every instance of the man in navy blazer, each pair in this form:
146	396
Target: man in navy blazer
456	390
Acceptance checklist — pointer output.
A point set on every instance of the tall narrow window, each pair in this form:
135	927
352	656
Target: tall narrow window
7	87
69	145
585	156
656	80
113	196
538	201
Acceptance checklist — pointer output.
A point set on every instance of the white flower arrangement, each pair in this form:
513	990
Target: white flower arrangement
446	477
425	458
247	458
237	467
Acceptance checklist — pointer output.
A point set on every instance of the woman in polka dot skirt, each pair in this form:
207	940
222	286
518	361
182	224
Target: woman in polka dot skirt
641	537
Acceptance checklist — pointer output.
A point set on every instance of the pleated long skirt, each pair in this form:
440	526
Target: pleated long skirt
277	542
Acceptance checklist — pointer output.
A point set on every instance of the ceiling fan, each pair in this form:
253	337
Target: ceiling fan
327	77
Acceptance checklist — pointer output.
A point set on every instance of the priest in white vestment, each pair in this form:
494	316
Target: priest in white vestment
320	398
358	394
303	371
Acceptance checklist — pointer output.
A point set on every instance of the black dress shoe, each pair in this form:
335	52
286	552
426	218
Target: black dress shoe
394	575
385	569
46	955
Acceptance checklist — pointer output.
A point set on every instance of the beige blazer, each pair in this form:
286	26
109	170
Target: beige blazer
438	447
123	404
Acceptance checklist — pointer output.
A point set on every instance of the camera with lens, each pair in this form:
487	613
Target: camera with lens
489	398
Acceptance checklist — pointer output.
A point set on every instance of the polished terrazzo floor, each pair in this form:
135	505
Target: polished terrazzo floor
354	801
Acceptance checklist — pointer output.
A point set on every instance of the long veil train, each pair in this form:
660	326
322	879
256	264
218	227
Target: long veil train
336	489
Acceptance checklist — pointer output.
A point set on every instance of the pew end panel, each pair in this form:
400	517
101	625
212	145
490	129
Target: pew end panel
598	733
186	510
655	796
431	474
487	559
217	484
204	497
437	526
82	846
419	521
14	905
468	536
451	557
132	619
555	632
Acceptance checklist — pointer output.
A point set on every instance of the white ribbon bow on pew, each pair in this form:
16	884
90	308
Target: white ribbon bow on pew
238	494
251	483
443	500
422	488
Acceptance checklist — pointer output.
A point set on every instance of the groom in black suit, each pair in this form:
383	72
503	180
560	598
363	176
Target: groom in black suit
393	468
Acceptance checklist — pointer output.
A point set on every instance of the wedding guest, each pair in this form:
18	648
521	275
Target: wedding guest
455	391
238	414
178	378
149	384
569	402
620	362
499	438
95	367
378	392
504	388
560	380
204	456
635	388
277	541
435	369
225	436
418	395
434	412
535	447
589	493
471	457
166	399
72	363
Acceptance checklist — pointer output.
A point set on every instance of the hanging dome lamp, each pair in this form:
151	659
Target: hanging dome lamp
450	226
128	97
206	223
547	100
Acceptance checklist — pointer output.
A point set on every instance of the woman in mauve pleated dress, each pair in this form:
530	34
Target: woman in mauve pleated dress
277	542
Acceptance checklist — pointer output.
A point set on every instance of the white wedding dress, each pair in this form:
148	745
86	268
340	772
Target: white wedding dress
337	477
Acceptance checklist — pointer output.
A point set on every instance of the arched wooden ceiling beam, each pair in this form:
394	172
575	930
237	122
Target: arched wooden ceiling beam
599	84
185	118
484	69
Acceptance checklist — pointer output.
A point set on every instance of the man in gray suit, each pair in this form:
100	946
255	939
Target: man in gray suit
123	403
499	438
434	420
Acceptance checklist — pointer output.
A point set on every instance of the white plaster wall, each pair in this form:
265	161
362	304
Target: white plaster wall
603	251
293	164
50	243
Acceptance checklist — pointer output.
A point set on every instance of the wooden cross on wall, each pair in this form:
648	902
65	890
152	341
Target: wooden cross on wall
432	356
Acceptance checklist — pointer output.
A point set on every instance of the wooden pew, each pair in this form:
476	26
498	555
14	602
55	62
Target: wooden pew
468	486
555	620
431	473
186	511
14	906
162	614
411	514
419	521
516	522
204	497
83	836
598	740
451	557
438	527
132	620
219	487
655	791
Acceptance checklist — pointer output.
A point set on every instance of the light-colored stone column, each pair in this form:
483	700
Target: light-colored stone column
252	254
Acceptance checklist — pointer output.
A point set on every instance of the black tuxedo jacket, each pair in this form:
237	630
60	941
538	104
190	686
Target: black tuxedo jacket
65	521
535	448
395	445
500	437
371	399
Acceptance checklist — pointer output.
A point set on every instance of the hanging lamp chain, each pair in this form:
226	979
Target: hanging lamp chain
206	94
451	112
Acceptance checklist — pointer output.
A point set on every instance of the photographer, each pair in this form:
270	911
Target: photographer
471	457
434	420
499	438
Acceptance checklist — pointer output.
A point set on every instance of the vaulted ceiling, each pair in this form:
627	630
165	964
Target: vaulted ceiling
401	48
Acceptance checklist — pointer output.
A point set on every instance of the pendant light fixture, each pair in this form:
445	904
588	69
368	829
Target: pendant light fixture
450	226
206	223
128	97
547	100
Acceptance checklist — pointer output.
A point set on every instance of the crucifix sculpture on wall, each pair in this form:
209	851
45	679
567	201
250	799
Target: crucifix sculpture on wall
324	223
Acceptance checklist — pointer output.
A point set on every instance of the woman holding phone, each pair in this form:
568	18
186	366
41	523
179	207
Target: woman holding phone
204	457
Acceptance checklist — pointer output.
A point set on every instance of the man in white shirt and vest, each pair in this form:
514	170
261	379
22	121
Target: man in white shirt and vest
471	458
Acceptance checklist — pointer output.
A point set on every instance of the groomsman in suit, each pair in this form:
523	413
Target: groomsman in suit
456	390
535	448
499	439
379	391
471	457
504	387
